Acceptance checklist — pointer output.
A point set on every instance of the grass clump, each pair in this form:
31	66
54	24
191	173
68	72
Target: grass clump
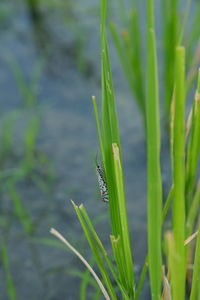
175	30
168	277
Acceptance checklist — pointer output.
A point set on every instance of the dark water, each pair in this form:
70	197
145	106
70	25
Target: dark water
60	43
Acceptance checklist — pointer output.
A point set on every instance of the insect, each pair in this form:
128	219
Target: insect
102	183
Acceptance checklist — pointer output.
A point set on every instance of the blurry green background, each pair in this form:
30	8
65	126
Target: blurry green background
49	69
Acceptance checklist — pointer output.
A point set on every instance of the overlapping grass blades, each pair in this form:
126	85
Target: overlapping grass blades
146	262
193	147
111	159
128	46
94	247
193	211
170	34
123	237
101	257
176	31
184	193
110	145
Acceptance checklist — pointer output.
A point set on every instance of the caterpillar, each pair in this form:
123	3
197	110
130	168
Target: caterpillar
102	183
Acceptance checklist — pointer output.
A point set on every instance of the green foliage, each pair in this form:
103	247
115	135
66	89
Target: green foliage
129	42
193	147
7	134
28	88
183	192
111	157
176	30
19	208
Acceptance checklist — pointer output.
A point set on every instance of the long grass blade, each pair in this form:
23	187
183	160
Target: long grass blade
193	211
193	147
178	211
170	37
145	265
96	113
195	292
20	211
128	264
153	161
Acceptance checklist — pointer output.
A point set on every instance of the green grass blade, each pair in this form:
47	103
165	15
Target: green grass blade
124	59
101	247
167	203
193	211
96	238
193	41
27	94
120	49
142	278
128	46
118	255
110	133
193	147
96	113
178	211
96	253
153	161
145	265
84	284
184	23
137	60
128	264
171	258
19	209
170	35
195	292
8	128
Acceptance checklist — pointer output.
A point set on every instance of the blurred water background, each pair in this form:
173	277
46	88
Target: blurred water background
49	69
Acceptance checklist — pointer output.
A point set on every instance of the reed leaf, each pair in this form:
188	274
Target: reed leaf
178	210
195	292
193	147
153	161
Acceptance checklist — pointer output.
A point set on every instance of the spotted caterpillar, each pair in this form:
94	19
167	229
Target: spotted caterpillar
102	183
